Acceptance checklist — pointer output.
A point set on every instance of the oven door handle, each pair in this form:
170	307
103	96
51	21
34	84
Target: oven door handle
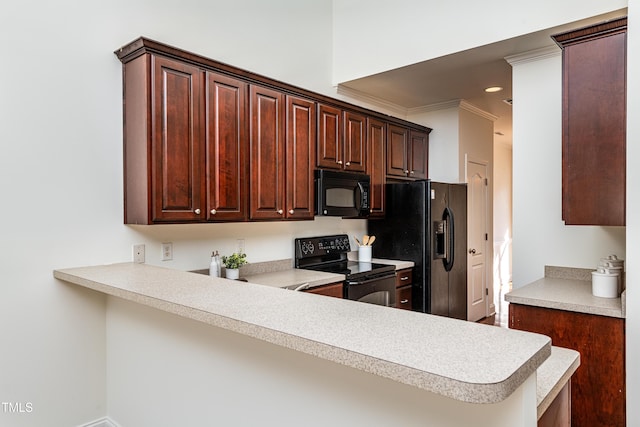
366	282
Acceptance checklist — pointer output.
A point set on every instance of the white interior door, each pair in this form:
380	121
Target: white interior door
477	291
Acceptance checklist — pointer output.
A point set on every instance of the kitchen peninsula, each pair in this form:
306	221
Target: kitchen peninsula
453	372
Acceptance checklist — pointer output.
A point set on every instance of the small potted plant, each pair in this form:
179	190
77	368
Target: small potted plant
232	264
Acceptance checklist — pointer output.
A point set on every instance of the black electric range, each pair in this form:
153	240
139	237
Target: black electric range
364	281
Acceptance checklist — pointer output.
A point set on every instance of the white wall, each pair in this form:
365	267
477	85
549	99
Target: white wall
61	173
443	142
502	220
404	32
633	215
539	235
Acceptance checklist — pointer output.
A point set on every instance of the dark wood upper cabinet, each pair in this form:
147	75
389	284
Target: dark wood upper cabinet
407	153
301	157
283	132
419	155
205	141
227	148
398	151
177	173
342	139
163	150
594	124
355	142
267	114
377	149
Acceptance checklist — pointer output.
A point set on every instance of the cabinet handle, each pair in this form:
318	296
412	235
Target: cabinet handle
348	164
291	211
197	211
280	211
213	211
404	278
404	301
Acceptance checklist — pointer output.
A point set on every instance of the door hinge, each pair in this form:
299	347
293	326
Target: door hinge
486	236
486	181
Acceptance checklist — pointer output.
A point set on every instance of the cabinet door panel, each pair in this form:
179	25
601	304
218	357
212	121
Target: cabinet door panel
330	144
300	149
377	137
226	148
594	146
267	153
419	155
598	385
355	143
397	151
178	151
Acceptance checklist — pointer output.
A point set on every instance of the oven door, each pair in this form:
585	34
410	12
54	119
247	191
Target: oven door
374	290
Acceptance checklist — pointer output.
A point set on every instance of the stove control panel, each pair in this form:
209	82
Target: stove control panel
308	247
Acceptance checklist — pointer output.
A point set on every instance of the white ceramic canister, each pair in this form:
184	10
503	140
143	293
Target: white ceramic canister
609	267
604	284
613	260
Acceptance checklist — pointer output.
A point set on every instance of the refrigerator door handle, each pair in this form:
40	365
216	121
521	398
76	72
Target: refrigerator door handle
448	260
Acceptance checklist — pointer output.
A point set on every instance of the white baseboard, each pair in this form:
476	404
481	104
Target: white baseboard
101	422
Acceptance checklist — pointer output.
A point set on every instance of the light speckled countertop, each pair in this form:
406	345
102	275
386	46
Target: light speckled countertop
282	274
554	373
566	289
462	360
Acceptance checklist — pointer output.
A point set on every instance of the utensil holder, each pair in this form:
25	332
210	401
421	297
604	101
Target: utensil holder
364	254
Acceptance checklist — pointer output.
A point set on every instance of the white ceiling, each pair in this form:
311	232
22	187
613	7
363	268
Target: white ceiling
463	76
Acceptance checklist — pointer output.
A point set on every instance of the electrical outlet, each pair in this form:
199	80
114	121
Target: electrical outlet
138	253
167	251
240	246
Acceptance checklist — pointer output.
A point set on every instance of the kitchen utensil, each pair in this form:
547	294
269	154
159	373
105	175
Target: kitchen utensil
357	241
365	240
371	240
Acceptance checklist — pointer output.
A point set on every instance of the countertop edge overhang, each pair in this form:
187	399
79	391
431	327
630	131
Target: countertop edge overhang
461	360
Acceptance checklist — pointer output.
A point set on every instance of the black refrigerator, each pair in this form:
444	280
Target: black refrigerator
426	222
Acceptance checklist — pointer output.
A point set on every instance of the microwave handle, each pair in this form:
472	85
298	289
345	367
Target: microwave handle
362	196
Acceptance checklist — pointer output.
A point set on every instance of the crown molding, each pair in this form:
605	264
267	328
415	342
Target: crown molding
370	99
533	55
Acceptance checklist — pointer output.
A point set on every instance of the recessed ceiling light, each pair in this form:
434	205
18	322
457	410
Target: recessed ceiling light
493	89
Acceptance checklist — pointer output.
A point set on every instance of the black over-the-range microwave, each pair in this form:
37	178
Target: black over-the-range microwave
342	194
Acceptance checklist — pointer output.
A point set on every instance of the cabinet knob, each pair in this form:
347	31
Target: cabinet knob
213	211
197	211
339	162
348	164
406	171
412	172
280	211
291	211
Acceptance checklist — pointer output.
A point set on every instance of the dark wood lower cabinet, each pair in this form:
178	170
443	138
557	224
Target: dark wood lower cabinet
330	290
404	285
598	386
558	414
